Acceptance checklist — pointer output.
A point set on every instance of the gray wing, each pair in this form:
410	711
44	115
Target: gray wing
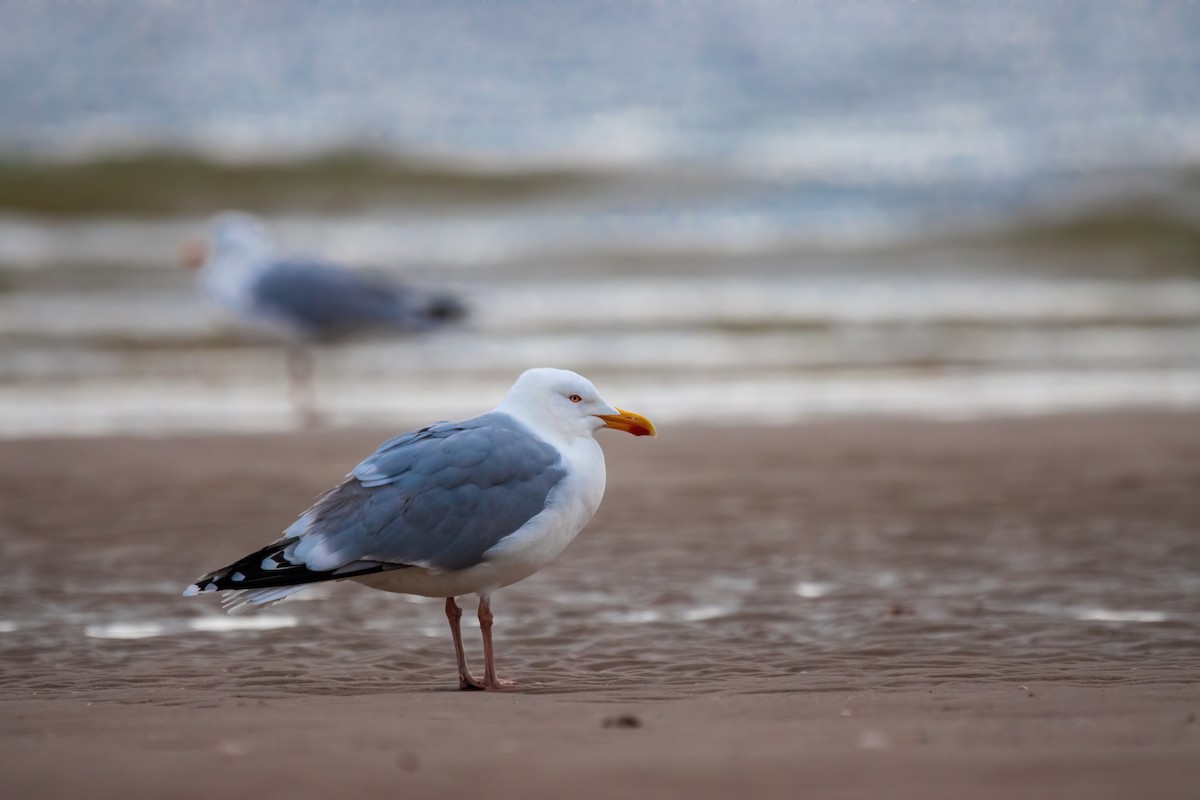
325	300
438	498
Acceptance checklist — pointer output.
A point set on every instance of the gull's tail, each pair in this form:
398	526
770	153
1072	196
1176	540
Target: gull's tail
269	575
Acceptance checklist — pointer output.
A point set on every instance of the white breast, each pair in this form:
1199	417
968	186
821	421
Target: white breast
228	282
569	507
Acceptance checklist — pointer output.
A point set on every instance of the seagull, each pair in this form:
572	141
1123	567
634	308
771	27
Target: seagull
452	509
303	300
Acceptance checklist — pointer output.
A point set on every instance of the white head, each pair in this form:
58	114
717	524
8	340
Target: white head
561	404
238	234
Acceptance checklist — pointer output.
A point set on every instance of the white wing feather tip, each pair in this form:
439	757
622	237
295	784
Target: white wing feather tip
250	600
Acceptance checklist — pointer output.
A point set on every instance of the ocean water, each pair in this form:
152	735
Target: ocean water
782	210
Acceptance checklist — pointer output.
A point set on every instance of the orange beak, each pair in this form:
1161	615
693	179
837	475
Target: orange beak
629	422
192	253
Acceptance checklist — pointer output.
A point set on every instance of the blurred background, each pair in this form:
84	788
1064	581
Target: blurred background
939	209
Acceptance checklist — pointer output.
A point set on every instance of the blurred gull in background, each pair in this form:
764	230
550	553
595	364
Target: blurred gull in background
301	300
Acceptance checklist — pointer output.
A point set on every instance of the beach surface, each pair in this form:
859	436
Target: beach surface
846	608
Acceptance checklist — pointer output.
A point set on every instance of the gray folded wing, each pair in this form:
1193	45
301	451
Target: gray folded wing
438	498
327	301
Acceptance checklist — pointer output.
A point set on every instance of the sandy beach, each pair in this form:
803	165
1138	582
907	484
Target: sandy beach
838	609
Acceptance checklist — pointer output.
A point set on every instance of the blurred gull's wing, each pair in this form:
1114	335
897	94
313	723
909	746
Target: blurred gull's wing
326	300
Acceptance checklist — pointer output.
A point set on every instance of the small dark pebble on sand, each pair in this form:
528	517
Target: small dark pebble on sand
622	721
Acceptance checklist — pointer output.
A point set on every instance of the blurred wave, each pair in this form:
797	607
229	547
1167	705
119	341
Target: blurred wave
162	183
1092	302
130	211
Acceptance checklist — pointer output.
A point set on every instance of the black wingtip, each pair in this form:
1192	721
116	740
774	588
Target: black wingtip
249	572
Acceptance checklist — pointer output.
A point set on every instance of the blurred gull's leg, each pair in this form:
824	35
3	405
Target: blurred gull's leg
300	377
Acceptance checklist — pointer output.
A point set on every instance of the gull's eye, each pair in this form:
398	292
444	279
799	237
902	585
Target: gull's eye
575	398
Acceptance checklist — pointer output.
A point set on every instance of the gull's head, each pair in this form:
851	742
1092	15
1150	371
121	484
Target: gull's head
566	404
233	237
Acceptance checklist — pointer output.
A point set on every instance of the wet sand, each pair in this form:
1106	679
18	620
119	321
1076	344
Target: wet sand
853	608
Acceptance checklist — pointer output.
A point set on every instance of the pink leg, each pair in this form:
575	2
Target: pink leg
490	681
465	679
300	379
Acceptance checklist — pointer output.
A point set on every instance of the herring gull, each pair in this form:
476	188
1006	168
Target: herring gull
451	509
301	300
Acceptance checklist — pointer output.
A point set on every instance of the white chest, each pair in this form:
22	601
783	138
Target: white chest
569	507
228	282
231	285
